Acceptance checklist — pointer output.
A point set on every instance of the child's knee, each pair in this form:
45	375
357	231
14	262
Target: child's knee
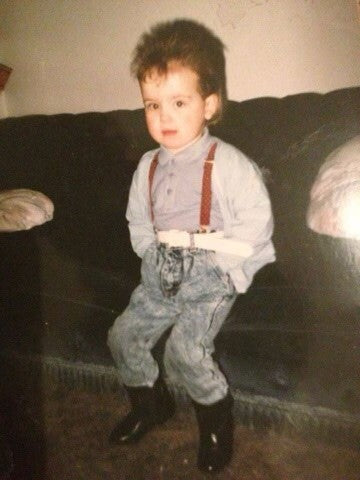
181	353
119	336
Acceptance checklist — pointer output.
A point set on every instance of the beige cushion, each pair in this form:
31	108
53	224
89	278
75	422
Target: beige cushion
22	209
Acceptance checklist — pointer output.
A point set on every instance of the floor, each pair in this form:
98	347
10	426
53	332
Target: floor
62	434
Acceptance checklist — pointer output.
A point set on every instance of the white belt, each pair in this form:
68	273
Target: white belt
207	241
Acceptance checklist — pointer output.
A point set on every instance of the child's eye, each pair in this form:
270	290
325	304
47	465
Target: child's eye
180	103
151	106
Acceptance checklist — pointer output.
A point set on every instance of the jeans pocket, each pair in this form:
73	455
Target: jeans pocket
223	276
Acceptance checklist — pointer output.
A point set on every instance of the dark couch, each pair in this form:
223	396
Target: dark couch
293	337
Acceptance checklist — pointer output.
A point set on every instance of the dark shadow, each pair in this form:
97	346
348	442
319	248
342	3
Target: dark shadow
21	332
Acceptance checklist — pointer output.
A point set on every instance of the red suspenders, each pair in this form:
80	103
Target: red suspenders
151	178
205	192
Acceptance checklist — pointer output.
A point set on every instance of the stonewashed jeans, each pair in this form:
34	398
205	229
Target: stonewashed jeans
186	290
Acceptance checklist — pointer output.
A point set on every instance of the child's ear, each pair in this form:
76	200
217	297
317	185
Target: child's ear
212	105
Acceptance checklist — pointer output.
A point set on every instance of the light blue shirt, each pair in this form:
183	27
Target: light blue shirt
244	204
177	186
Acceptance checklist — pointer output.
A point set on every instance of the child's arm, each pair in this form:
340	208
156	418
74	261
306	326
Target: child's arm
142	233
248	216
252	219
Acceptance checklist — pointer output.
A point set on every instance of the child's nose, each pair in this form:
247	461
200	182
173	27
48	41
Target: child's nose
164	113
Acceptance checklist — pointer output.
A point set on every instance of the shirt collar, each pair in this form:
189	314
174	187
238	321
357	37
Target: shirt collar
188	154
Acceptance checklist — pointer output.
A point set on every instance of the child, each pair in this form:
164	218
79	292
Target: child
200	219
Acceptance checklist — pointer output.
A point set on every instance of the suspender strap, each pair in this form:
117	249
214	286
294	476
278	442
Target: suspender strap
153	166
205	207
206	190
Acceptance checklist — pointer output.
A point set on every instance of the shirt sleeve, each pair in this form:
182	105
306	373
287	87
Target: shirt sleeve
141	229
252	219
249	219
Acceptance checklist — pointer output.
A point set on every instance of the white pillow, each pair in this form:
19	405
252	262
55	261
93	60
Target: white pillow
334	207
22	209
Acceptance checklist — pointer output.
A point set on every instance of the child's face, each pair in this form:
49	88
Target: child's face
175	111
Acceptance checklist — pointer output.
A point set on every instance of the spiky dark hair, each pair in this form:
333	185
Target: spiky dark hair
189	43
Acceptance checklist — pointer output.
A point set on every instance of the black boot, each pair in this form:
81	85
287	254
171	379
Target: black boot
216	428
150	406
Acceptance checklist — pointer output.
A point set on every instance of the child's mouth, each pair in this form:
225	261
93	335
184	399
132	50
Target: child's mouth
168	132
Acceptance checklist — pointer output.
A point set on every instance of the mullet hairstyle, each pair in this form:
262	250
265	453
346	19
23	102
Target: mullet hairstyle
190	44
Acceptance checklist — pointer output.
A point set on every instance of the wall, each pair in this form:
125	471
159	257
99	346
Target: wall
3	108
73	55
